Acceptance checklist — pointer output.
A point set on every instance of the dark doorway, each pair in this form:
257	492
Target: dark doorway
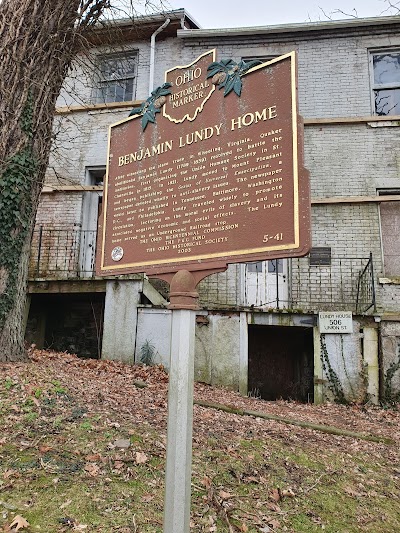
281	363
67	322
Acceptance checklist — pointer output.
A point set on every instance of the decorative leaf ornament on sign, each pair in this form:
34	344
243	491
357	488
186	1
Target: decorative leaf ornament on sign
152	105
228	74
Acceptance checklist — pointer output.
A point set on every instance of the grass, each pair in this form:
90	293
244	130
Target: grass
60	469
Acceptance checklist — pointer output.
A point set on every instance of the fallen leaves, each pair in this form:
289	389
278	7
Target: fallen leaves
92	469
18	523
225	495
141	458
275	495
252	480
65	504
122	443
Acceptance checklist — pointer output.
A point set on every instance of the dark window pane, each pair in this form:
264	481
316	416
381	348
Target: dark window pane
255	267
109	93
128	90
390	226
118	67
273	263
119	92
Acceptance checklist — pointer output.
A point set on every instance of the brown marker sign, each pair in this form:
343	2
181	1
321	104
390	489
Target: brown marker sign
214	179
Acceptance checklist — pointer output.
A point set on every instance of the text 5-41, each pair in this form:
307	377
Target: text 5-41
276	237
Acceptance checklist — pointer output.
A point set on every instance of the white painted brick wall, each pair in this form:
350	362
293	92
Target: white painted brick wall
344	160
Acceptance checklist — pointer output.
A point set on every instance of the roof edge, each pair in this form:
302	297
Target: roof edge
290	28
153	18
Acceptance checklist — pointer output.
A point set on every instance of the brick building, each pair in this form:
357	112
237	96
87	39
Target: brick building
259	329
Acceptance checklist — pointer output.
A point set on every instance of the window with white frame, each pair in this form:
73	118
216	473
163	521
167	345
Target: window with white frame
117	78
385	74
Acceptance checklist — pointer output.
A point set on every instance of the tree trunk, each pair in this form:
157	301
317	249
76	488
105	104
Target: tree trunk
37	42
13	331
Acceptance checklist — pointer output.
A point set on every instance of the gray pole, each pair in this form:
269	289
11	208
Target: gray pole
184	301
180	423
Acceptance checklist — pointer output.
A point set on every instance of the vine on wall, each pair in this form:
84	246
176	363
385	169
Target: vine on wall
390	397
334	384
15	211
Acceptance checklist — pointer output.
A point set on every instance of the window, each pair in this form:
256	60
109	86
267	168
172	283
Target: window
255	267
117	78
390	229
385	72
273	264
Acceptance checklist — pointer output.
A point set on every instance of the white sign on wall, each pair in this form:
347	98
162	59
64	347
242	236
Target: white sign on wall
335	321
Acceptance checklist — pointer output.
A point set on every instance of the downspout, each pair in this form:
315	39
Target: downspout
153	52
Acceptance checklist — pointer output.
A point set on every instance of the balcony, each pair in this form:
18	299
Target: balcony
347	283
59	254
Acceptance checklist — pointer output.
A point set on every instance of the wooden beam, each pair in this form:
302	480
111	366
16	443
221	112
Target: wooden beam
290	421
350	120
112	106
356	199
71	188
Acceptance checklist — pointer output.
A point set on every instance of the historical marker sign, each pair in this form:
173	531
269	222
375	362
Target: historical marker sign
209	172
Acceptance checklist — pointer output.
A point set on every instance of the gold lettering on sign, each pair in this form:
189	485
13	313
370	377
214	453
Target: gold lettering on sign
247	119
195	192
201	135
188	75
145	153
192	92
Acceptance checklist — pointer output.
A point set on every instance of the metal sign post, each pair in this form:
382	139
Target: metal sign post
180	423
184	303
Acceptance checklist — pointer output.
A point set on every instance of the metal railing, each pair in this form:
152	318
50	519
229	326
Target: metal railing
366	296
347	283
62	254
